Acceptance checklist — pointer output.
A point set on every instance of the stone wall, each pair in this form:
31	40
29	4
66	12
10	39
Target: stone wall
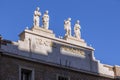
9	70
117	71
46	47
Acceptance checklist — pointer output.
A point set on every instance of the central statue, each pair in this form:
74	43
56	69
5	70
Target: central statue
45	20
36	18
77	28
67	27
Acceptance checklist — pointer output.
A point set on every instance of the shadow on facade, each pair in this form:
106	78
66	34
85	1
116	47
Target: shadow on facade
58	57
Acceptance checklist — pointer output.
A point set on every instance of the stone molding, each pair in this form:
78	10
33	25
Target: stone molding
56	65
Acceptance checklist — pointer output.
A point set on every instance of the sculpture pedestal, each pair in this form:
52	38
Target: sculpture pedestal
36	31
43	31
76	41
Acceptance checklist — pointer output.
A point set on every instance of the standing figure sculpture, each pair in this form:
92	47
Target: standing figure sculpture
77	28
67	27
36	18
45	20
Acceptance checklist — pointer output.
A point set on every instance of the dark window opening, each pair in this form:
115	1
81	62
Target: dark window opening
62	78
26	74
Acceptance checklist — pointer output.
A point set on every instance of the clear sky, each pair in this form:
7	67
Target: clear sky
99	19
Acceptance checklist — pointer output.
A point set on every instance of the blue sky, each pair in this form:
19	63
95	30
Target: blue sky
99	19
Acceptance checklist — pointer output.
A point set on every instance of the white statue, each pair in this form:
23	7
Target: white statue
36	19
77	28
67	27
45	20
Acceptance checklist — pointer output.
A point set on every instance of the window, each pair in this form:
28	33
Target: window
26	73
63	78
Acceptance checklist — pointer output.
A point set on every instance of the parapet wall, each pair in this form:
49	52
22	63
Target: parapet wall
42	44
117	71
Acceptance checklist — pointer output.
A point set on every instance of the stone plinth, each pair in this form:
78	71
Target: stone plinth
37	31
43	31
74	40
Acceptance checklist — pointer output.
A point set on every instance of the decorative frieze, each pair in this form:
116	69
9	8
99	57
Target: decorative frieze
73	50
44	42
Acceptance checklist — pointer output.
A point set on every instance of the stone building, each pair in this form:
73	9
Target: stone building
39	55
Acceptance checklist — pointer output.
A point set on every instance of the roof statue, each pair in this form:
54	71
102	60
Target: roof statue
64	57
45	20
67	26
36	18
77	28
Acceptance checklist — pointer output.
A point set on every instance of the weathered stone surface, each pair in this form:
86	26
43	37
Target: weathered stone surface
9	68
41	44
117	71
47	56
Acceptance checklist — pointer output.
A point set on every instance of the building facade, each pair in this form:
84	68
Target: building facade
39	55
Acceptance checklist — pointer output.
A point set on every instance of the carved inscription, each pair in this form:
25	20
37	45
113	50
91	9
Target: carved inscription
39	41
45	43
73	50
